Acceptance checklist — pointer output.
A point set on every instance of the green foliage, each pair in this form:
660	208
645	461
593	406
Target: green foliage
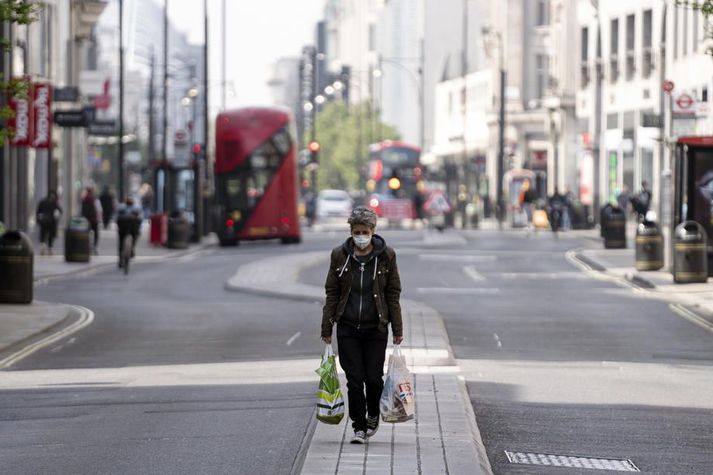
345	133
20	12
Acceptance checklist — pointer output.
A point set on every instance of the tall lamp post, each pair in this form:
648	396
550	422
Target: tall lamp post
495	35
418	82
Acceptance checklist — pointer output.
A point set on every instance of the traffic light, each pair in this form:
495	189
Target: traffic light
314	147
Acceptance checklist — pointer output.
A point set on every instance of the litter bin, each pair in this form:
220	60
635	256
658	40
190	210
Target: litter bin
179	231
604	213
76	240
649	246
158	234
690	256
614	227
16	268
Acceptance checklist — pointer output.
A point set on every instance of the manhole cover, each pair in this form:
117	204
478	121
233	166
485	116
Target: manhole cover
595	463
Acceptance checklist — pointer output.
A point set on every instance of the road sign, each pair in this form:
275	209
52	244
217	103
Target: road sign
66	94
667	86
684	105
105	128
70	118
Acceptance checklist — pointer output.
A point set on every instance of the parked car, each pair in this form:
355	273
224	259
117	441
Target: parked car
334	204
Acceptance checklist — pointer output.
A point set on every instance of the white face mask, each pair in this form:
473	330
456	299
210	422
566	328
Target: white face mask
362	241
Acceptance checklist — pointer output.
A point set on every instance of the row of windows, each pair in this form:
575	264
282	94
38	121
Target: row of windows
684	41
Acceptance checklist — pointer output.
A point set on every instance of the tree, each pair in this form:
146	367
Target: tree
345	133
17	12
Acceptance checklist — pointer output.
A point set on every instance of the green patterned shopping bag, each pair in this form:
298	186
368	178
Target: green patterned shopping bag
330	402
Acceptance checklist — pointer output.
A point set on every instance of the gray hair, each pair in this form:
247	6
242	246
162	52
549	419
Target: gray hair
362	215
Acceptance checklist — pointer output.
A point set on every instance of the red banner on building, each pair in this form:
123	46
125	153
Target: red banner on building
21	124
42	115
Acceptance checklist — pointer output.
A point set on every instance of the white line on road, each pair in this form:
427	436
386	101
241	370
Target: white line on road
456	290
456	258
293	338
471	272
86	317
691	316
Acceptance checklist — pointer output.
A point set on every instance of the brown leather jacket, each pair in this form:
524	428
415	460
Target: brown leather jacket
387	288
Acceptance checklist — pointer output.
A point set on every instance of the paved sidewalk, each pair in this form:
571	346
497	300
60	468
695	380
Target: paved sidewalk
692	301
442	438
23	326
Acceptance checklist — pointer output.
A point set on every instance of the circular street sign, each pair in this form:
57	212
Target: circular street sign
667	86
684	101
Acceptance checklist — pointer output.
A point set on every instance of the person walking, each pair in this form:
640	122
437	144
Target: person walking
91	213
106	198
48	213
363	290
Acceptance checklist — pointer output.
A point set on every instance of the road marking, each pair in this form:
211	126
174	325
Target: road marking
456	290
293	338
456	258
497	340
691	316
86	318
471	272
542	276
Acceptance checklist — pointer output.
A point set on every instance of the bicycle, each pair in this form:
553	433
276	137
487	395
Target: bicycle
126	251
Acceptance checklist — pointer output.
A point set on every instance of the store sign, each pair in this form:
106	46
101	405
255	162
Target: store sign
22	122
42	115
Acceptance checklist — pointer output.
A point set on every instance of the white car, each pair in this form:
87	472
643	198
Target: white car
334	204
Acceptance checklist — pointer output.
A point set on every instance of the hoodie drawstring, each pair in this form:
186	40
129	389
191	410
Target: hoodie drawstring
345	266
376	264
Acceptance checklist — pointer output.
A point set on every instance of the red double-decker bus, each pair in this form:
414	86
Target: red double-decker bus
394	171
256	176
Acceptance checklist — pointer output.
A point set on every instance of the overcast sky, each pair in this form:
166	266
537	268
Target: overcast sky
258	33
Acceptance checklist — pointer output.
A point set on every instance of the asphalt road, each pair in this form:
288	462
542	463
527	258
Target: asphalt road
178	375
175	375
558	362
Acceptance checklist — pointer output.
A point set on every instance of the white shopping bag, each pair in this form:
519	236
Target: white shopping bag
397	402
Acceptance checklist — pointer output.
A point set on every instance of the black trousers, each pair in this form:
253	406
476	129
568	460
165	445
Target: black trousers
361	356
48	232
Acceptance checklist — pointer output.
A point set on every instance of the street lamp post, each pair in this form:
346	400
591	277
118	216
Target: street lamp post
418	81
500	204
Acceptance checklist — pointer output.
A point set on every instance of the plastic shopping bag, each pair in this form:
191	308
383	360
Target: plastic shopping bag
397	402
330	402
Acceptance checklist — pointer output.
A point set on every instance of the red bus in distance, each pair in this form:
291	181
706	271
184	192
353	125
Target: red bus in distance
256	176
394	171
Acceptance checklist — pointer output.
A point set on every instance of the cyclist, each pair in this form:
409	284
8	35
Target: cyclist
557	204
128	223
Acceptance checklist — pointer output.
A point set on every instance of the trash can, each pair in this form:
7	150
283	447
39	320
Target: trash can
16	268
614	227
649	246
179	231
690	256
158	234
604	213
77	246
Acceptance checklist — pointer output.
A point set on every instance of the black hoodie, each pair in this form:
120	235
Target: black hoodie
360	310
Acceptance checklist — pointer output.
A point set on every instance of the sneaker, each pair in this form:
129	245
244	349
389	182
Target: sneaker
359	437
372	425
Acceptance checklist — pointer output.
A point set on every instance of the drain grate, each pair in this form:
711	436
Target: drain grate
596	463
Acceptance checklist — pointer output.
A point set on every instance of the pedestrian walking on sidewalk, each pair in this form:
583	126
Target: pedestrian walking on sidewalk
91	211
48	213
108	206
363	289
